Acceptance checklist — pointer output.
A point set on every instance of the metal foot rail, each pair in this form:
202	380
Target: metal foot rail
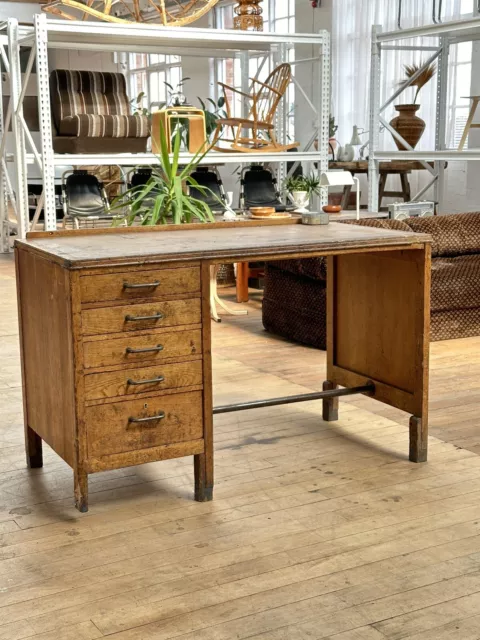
273	402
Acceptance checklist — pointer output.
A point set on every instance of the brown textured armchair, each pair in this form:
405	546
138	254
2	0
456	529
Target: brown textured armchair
295	302
91	114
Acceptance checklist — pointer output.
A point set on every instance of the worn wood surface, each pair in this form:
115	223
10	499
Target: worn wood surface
378	330
128	286
203	463
317	530
133	349
121	383
217	243
113	319
109	430
46	330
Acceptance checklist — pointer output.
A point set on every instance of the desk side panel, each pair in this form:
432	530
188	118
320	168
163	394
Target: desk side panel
46	334
378	325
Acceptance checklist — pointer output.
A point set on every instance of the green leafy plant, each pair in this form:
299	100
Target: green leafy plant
164	198
176	95
137	106
425	76
211	117
332	127
310	184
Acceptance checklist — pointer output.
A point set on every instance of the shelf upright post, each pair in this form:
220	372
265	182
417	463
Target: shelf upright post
41	41
323	111
279	56
4	229
17	129
441	119
373	164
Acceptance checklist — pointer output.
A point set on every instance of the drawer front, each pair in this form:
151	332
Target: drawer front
140	284
146	379
113	428
136	317
156	347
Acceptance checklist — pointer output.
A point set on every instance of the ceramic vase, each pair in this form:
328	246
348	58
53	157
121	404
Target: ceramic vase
408	125
301	200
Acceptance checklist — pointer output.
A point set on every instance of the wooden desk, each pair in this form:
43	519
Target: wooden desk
115	335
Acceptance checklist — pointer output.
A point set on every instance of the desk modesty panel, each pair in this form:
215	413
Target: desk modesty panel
116	345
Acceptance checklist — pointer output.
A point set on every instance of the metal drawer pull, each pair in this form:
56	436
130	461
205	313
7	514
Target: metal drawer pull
160	416
157	316
159	347
135	382
143	285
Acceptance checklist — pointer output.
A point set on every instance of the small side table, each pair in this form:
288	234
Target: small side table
197	137
469	124
400	168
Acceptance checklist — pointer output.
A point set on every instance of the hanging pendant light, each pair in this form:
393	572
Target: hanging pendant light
248	15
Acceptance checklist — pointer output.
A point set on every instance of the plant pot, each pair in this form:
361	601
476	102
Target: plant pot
301	200
408	125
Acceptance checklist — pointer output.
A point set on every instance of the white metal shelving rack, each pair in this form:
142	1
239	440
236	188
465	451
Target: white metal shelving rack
50	33
445	34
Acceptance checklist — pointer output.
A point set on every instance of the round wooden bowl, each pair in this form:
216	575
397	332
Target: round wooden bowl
263	211
332	208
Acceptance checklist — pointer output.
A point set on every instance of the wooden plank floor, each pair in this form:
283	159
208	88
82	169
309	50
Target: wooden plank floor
316	530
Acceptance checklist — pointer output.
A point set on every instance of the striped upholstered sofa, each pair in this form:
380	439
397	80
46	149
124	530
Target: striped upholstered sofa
294	302
91	114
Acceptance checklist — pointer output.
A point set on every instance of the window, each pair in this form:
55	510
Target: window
460	81
461	72
148	73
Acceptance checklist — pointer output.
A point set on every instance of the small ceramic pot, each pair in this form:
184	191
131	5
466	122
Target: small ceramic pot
301	200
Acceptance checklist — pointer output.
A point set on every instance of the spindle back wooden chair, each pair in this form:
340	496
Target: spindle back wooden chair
260	121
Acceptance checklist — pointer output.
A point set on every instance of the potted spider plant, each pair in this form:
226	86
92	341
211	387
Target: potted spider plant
300	189
165	198
407	123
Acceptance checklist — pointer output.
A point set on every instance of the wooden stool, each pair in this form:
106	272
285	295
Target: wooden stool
197	138
469	125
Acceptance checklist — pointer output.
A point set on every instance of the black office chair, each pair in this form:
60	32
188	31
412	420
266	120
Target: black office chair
215	197
84	198
259	189
139	177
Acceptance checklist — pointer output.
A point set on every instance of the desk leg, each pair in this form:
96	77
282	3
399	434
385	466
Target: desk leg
80	487
33	447
378	329
242	281
203	462
346	197
330	405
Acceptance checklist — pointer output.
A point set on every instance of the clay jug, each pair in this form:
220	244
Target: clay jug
408	125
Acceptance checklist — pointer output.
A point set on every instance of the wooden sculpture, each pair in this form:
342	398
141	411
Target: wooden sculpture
259	123
175	13
248	15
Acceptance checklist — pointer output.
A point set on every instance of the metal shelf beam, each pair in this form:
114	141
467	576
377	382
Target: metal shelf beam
468	29
68	34
144	159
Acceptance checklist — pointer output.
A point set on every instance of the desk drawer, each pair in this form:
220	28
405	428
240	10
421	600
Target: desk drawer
112	428
140	284
136	317
146	379
132	349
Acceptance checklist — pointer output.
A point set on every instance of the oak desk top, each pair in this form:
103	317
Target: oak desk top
89	248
